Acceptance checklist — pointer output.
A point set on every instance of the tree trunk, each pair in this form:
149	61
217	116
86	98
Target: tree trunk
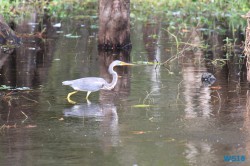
114	24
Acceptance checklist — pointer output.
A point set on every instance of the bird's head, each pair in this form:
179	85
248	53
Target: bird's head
117	63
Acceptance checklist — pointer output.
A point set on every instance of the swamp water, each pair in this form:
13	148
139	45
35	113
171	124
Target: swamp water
156	115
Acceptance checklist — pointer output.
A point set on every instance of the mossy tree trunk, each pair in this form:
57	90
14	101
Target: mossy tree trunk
114	24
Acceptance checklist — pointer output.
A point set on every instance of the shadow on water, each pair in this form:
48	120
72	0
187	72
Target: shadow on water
155	115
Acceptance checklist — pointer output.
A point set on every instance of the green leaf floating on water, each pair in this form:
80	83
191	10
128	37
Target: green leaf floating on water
5	87
141	106
148	63
72	36
22	88
94	26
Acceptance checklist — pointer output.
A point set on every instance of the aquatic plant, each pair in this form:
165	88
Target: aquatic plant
57	8
185	11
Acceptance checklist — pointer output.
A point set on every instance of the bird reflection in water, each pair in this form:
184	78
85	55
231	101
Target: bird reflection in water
106	114
90	110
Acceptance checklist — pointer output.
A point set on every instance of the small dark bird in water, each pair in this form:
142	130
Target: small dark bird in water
208	78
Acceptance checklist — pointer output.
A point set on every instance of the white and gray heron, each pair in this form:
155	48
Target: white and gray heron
93	84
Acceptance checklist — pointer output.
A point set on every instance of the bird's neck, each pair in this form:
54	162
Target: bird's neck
113	82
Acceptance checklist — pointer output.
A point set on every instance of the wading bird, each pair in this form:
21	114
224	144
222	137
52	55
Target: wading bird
93	84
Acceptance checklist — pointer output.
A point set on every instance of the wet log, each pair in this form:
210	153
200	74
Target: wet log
114	24
247	45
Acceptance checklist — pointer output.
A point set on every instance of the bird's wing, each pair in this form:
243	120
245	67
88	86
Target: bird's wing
88	84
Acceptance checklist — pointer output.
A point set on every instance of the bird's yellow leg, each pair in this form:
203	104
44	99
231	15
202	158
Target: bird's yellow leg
88	102
88	95
68	97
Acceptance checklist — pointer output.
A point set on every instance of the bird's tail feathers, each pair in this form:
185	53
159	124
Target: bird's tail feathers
66	82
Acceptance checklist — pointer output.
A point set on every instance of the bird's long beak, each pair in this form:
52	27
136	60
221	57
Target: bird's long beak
126	64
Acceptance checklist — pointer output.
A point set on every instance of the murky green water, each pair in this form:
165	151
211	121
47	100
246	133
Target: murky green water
156	115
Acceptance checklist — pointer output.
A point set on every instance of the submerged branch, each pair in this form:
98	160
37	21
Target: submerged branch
30	99
176	39
26	117
178	94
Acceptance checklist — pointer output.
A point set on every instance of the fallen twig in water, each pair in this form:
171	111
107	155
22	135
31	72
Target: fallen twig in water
30	99
26	117
176	39
219	100
4	126
178	94
222	61
147	96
